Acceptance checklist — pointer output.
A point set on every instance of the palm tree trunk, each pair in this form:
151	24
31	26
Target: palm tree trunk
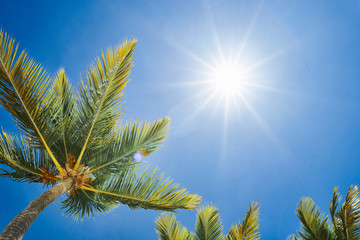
20	224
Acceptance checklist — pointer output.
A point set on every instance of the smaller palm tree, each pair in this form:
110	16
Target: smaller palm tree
345	219
208	226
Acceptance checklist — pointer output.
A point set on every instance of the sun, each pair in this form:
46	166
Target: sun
227	79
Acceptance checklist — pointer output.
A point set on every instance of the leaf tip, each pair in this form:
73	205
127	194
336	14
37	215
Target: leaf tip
167	120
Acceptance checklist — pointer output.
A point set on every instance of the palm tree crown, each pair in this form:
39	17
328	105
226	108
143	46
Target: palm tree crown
345	218
208	226
78	134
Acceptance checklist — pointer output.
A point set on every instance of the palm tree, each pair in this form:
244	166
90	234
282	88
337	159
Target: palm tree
74	142
345	219
208	226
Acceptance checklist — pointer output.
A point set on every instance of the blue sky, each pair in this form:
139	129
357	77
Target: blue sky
293	132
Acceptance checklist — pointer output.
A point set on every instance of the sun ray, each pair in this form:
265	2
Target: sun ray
271	89
270	133
248	34
217	40
192	116
228	80
190	54
266	59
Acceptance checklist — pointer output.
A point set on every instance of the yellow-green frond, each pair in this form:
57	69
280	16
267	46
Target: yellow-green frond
208	224
249	228
65	118
313	223
352	213
292	237
146	189
168	228
81	203
130	138
136	188
24	163
100	95
334	213
347	217
25	94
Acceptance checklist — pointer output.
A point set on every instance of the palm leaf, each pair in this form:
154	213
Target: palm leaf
146	189
23	163
348	216
334	213
100	95
313	223
168	228
292	237
25	94
65	118
208	224
129	138
133	187
249	229
81	203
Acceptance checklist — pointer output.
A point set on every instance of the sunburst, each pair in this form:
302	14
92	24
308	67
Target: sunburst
227	79
229	82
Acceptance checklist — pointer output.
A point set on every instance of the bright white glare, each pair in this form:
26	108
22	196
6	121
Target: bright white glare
227	79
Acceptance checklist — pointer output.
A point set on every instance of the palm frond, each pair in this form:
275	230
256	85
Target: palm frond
146	189
134	187
313	223
130	138
168	228
292	237
81	203
208	224
23	162
100	95
249	229
334	213
25	94
348	216
65	117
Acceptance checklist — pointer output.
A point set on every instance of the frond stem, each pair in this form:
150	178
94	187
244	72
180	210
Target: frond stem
92	127
17	165
170	207
32	120
119	158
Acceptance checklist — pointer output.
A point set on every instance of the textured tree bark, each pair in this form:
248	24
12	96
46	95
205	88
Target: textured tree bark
20	224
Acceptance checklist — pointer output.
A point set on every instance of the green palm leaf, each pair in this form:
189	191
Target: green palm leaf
146	189
208	224
23	163
25	94
168	228
292	237
313	224
81	203
136	188
100	95
334	213
65	118
129	138
249	229
347	218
